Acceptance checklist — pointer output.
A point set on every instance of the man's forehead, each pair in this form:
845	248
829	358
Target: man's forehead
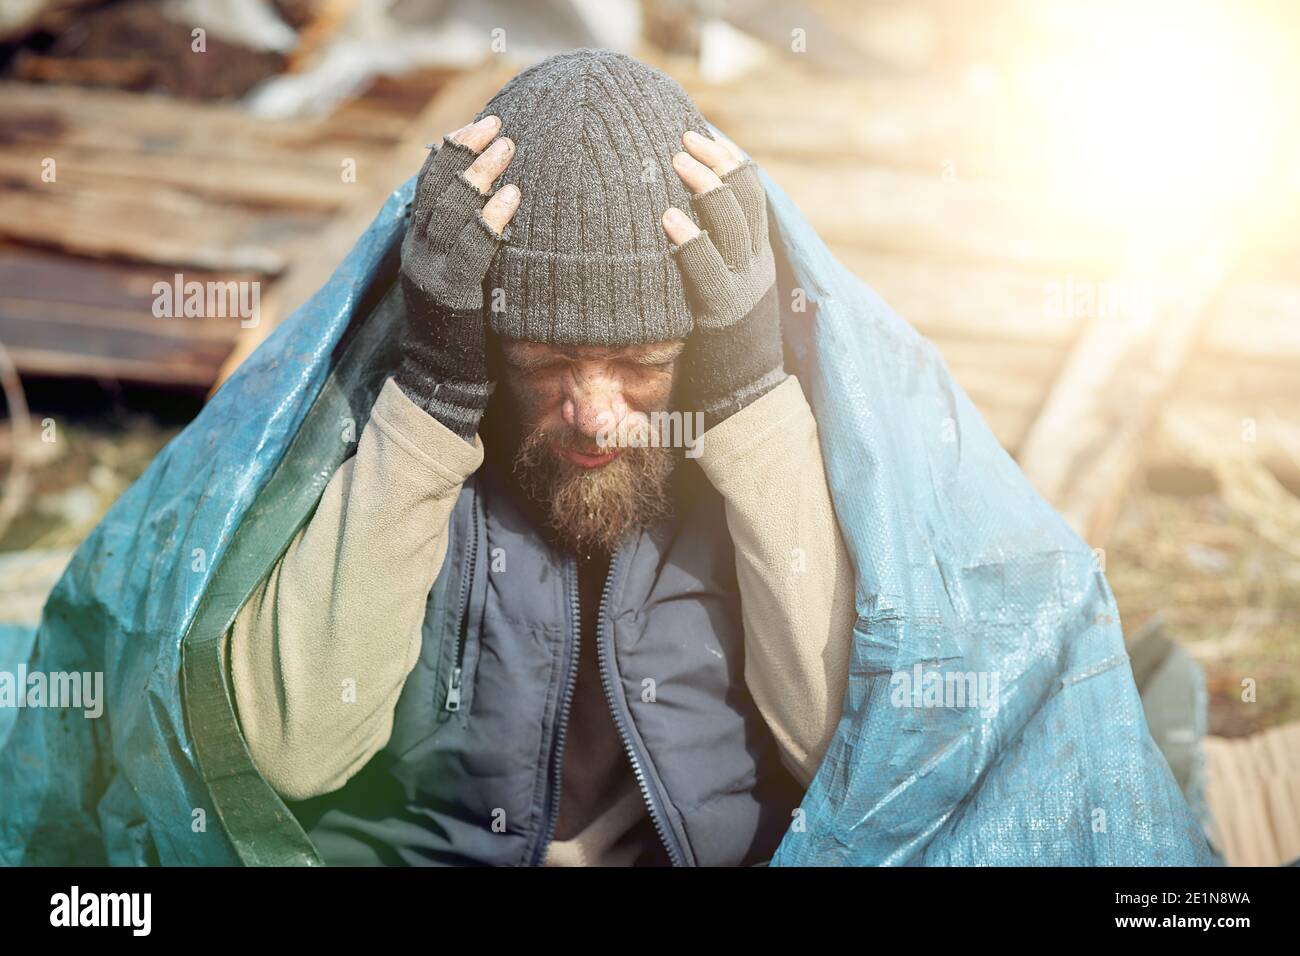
523	352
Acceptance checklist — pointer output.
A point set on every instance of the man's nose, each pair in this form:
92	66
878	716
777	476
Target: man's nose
593	401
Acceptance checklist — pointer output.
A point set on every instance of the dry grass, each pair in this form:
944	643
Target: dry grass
1223	569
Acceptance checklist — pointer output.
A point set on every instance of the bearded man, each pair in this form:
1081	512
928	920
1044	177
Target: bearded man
522	628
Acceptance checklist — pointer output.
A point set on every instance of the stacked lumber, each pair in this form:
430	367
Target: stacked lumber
1254	795
105	194
67	315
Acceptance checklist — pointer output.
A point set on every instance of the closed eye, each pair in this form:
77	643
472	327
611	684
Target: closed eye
659	359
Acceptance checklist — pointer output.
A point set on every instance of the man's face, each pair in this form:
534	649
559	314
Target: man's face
568	400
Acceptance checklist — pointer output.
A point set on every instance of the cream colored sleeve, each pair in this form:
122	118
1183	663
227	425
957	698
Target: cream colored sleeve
321	650
796	578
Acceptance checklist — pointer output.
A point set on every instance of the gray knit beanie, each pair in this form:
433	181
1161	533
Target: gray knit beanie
586	261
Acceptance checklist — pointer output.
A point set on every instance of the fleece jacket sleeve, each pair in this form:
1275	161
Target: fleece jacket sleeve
320	651
795	575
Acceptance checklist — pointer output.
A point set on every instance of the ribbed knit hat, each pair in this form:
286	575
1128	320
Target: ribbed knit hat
586	261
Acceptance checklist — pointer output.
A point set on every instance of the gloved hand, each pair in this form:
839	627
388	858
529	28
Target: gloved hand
734	354
446	253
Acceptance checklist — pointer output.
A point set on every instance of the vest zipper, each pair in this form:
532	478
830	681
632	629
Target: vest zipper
549	812
454	680
648	791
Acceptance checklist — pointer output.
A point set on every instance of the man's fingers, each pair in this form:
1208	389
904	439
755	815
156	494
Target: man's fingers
483	172
697	177
456	152
477	135
710	152
678	226
501	208
732	148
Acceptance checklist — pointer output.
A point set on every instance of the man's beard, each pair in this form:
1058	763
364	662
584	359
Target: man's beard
594	508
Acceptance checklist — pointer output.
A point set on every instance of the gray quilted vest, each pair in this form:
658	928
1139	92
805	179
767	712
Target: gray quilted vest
470	774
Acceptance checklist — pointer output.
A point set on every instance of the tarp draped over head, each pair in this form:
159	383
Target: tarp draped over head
968	584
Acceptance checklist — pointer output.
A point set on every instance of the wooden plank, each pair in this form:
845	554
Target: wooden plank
1239	384
84	319
40	286
945	298
909	122
132	129
1087	441
316	258
151	224
1253	789
1257	320
1266	428
902	212
40	275
160	123
159	370
87	71
143	165
66	315
49	348
267	180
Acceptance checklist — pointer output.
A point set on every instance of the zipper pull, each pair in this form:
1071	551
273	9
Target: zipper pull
453	690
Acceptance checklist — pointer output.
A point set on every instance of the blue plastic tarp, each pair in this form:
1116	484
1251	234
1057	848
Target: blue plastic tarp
965	578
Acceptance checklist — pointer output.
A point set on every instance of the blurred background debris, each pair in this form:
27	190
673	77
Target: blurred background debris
1088	206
